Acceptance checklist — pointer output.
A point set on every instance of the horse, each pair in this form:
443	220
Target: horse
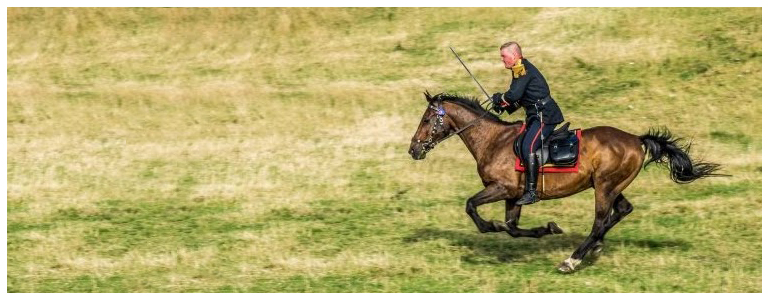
609	161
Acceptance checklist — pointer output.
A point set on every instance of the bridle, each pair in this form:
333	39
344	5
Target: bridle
430	143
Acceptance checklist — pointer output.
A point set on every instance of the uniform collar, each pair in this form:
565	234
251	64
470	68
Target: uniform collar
518	69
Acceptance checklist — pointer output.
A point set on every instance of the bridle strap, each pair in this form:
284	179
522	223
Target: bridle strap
473	122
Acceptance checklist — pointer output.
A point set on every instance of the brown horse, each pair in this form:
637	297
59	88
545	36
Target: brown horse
609	161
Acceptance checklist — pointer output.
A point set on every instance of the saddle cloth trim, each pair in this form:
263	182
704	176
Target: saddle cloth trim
551	168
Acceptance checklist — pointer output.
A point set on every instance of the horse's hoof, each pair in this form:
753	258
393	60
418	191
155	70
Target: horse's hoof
569	265
554	228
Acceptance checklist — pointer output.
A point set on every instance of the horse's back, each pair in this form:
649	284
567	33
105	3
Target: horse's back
610	136
611	147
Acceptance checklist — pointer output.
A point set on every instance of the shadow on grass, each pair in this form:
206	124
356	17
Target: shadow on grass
648	244
497	248
652	244
501	248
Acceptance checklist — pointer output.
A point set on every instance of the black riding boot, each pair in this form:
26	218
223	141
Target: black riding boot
530	191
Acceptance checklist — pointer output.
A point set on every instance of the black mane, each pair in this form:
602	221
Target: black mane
471	104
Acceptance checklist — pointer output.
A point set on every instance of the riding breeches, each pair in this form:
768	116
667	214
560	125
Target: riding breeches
531	139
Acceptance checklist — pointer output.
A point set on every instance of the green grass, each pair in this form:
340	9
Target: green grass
264	150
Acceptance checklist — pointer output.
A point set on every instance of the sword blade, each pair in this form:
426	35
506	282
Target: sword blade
488	98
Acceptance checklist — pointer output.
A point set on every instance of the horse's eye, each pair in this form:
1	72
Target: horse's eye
426	121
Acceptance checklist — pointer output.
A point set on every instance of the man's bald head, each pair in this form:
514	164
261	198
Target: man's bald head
513	47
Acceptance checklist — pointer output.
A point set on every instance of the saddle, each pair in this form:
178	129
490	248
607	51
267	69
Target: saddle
561	149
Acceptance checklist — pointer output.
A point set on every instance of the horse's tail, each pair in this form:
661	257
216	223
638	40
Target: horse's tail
660	144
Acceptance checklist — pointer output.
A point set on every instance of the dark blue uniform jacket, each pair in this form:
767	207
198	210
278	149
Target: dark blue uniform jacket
528	89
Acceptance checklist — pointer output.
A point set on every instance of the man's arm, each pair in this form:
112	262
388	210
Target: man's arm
500	105
517	87
513	107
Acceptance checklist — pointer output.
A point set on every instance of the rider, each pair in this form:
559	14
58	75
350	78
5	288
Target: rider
528	89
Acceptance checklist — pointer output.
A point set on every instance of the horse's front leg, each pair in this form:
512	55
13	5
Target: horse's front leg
513	213
490	194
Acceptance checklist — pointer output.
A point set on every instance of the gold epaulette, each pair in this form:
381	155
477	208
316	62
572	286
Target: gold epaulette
518	69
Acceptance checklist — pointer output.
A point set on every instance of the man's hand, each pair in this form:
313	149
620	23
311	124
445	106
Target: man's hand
498	102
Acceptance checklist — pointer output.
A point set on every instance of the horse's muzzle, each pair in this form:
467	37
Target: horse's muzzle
417	151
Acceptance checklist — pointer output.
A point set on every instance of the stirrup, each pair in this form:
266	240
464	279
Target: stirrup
528	198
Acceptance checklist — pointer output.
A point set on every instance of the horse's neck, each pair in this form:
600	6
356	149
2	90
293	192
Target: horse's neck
479	137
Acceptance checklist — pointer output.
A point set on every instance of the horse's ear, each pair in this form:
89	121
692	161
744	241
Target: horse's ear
428	97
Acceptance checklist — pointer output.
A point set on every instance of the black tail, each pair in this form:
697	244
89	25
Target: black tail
660	145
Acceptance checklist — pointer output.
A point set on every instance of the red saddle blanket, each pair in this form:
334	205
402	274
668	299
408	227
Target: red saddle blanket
551	168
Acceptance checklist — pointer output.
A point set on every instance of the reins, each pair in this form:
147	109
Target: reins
430	144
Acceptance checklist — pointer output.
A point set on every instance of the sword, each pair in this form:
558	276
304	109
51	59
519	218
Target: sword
488	98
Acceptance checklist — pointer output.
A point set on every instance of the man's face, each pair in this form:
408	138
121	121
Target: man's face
508	58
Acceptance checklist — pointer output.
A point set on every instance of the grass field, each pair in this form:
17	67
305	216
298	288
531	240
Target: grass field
264	150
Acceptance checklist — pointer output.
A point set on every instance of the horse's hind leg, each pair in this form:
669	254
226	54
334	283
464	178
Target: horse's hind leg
621	208
513	213
604	199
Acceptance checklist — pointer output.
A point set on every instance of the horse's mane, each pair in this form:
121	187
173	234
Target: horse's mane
472	104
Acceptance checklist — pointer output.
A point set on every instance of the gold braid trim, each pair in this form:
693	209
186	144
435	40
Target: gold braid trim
518	69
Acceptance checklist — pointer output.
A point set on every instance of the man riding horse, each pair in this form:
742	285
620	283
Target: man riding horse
530	90
611	158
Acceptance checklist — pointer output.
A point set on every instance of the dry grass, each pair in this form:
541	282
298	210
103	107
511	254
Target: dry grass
264	150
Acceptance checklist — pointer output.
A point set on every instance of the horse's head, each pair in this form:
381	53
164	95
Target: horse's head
433	127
